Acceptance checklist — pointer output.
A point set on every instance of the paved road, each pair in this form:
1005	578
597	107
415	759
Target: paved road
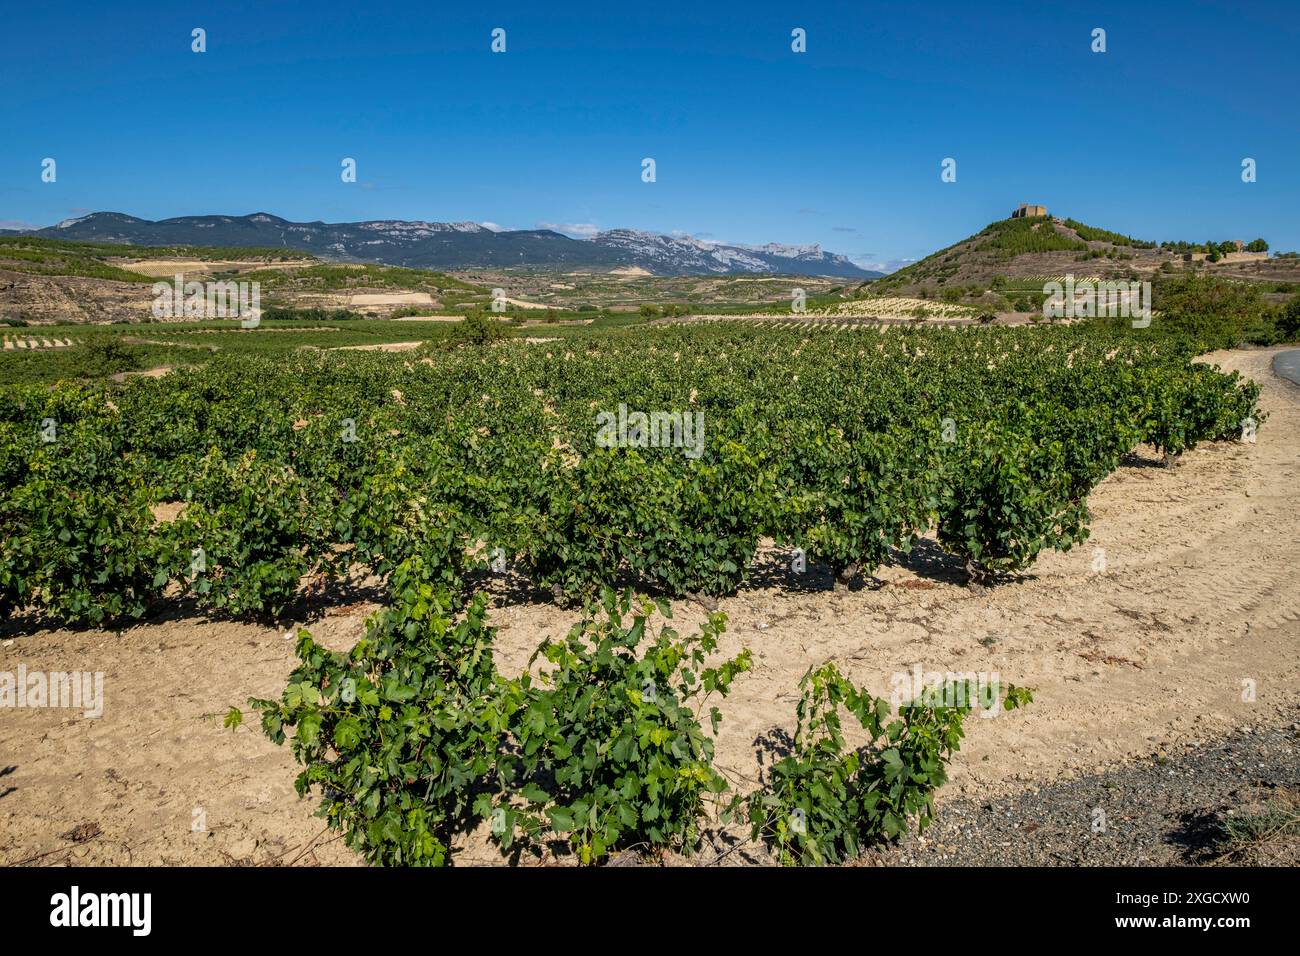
1287	364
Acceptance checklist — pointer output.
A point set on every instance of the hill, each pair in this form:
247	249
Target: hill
50	280
1036	248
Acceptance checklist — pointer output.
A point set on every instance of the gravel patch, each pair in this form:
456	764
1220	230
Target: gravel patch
1165	810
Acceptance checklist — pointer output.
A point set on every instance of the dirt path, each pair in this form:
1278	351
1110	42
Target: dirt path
380	347
1199	593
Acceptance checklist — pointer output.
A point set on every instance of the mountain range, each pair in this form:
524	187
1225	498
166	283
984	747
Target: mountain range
460	245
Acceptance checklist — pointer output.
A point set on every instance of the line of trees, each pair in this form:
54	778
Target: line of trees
1215	250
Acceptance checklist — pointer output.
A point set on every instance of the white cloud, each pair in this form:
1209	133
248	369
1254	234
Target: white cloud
583	230
495	227
16	224
889	265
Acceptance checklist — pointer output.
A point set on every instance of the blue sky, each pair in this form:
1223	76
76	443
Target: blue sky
840	145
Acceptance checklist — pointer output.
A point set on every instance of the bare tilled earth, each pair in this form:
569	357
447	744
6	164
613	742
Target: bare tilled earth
1196	605
200	268
72	299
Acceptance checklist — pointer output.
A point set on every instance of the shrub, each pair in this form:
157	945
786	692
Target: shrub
863	496
85	556
694	525
823	804
570	531
1092	440
403	509
106	356
403	732
1288	323
477	329
252	531
1195	404
1007	498
610	751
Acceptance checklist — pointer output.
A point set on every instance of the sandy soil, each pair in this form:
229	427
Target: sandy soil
157	372
381	347
1199	593
391	298
520	303
167	268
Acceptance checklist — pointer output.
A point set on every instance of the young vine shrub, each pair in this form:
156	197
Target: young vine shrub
83	454
81	555
18	443
402	732
609	749
866	496
823	803
338	450
75	540
1196	403
1007	498
1092	439
400	511
694	524
1237	405
251	531
67	403
570	531
164	431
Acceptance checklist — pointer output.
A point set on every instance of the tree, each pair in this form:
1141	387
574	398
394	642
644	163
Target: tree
1257	245
1217	310
1288	324
477	329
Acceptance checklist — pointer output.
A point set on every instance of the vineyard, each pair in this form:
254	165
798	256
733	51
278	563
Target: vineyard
894	306
241	484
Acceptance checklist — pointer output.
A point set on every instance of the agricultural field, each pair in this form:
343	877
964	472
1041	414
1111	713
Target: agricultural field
628	290
900	307
597	595
55	282
92	351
